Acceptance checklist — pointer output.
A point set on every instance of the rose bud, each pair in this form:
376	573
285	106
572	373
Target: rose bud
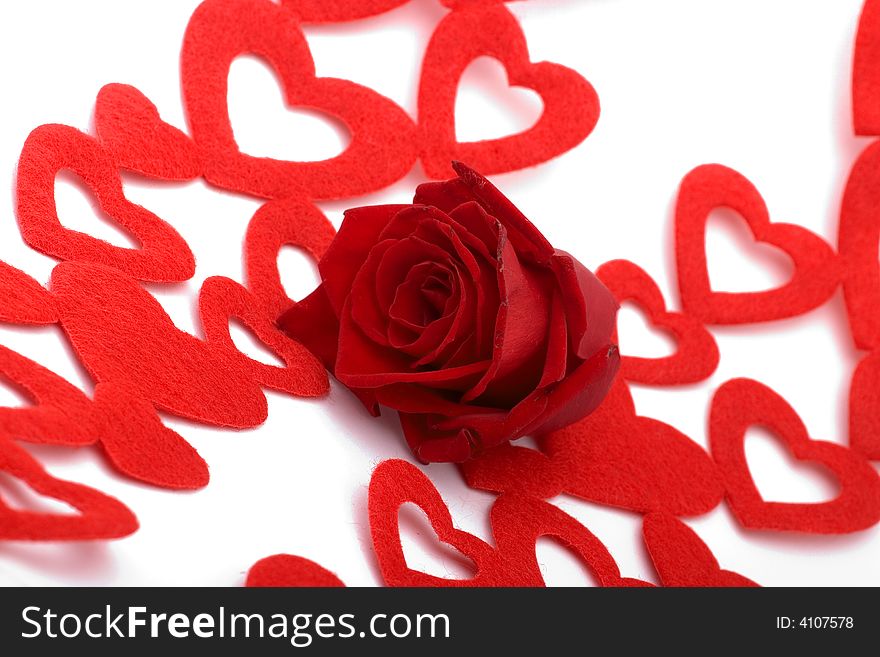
457	313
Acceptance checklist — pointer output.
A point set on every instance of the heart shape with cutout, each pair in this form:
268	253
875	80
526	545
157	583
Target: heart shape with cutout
100	517
681	559
742	403
571	106
288	571
864	408
383	145
131	130
164	255
24	300
122	335
221	299
276	224
696	356
816	268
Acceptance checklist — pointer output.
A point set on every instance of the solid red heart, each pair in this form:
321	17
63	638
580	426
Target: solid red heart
221	299
617	458
24	300
164	255
816	270
742	403
681	558
338	11
131	130
383	144
100	516
285	570
291	222
571	106
866	72
513	469
864	408
696	356
858	239
122	335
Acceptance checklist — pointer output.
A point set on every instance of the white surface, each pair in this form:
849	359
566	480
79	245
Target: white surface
759	86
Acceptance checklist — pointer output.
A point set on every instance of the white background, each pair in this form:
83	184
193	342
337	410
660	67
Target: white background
759	86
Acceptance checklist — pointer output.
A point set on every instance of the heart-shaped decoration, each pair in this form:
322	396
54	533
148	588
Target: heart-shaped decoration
131	130
742	403
866	74
287	571
338	11
122	335
681	558
395	483
278	223
816	269
617	458
696	357
100	516
510	468
383	144
864	408
24	300
220	299
164	255
571	106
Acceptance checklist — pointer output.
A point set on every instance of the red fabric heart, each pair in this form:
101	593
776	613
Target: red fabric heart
571	106
681	558
164	255
100	517
696	357
122	335
221	299
131	130
24	300
512	469
864	408
338	11
816	271
742	403
383	144
866	73
284	570
291	222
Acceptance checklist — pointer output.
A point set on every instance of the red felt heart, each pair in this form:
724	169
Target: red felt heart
337	11
383	144
864	408
681	558
816	271
164	255
122	335
100	517
866	73
571	106
24	300
696	357
278	223
284	570
513	469
221	299
742	403
858	239
130	129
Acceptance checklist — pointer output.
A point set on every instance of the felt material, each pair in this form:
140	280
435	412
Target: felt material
383	145
288	571
858	239
100	516
221	299
24	301
617	458
513	469
122	335
864	408
682	559
742	403
696	356
866	72
517	522
337	11
571	106
130	129
816	270
291	222
164	255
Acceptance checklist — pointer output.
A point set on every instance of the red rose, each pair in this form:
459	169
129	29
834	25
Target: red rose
456	312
